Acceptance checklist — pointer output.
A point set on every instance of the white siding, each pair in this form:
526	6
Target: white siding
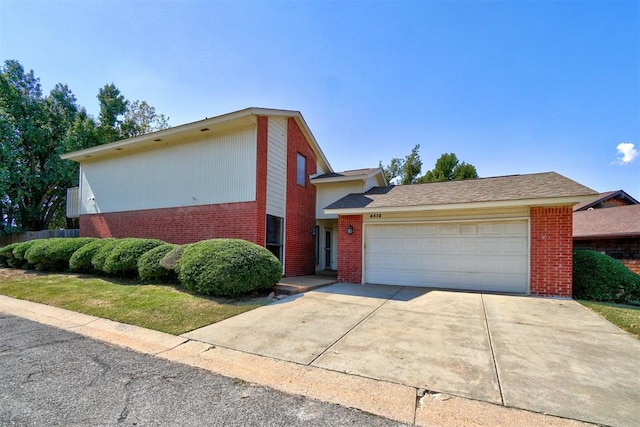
215	169
371	182
277	166
328	193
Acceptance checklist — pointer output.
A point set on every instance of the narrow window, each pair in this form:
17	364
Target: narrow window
274	235
302	170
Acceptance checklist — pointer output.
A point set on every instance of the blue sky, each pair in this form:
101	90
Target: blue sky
509	86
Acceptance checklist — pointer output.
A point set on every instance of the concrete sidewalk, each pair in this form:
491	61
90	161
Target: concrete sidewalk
544	355
384	398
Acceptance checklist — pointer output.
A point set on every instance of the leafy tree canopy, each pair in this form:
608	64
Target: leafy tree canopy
449	168
408	170
36	128
404	171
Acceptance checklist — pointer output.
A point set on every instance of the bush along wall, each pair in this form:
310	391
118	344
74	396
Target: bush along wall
54	254
80	261
599	277
219	267
124	256
228	267
150	267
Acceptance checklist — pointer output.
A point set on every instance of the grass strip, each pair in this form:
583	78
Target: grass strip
626	317
161	307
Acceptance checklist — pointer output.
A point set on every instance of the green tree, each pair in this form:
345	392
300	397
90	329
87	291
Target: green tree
120	118
141	118
449	168
406	170
35	129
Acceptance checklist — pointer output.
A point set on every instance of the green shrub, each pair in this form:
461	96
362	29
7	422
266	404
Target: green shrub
149	264
123	259
98	260
599	277
228	267
54	254
80	261
19	251
6	254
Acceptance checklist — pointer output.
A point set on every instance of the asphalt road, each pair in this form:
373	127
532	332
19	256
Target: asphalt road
53	377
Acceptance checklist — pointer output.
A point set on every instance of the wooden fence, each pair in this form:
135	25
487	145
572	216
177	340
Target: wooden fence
32	235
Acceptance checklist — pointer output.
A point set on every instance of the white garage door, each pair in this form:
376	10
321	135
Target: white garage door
486	256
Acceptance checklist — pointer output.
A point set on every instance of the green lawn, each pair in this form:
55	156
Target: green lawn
626	317
161	307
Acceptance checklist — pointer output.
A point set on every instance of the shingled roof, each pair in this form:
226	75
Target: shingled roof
603	197
511	190
620	221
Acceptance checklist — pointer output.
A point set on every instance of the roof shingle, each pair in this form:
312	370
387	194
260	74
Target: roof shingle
619	221
503	188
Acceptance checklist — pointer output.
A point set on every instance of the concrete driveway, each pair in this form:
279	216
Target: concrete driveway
544	355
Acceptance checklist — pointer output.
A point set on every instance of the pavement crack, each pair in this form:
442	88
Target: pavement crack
104	368
127	403
353	327
493	353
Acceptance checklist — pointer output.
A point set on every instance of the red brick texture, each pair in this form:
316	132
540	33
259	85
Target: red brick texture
260	221
178	225
632	264
301	206
350	249
551	251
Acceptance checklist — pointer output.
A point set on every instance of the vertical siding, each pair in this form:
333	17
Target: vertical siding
276	166
331	192
211	170
73	202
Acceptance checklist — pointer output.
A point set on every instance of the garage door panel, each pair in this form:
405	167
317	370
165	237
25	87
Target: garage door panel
469	230
489	256
427	230
448	246
428	246
515	247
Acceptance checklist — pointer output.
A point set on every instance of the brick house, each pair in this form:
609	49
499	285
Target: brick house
609	223
259	174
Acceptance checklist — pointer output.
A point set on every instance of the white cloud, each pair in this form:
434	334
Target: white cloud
628	152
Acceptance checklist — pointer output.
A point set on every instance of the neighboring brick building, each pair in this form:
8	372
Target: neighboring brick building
610	224
259	175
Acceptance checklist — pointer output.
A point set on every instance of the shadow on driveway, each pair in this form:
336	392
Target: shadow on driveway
545	355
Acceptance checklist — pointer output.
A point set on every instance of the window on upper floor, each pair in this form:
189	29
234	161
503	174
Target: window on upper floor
301	170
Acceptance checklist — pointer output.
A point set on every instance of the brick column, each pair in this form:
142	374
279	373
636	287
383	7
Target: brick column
551	250
350	249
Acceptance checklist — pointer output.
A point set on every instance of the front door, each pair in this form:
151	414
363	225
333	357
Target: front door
327	249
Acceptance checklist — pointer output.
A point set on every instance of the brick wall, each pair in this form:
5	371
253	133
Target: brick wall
350	249
178	225
551	251
632	264
623	248
260	218
301	206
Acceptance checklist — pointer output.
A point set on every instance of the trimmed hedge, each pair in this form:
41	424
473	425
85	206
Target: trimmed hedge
22	247
599	277
54	254
124	256
6	255
228	267
80	261
100	258
150	266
